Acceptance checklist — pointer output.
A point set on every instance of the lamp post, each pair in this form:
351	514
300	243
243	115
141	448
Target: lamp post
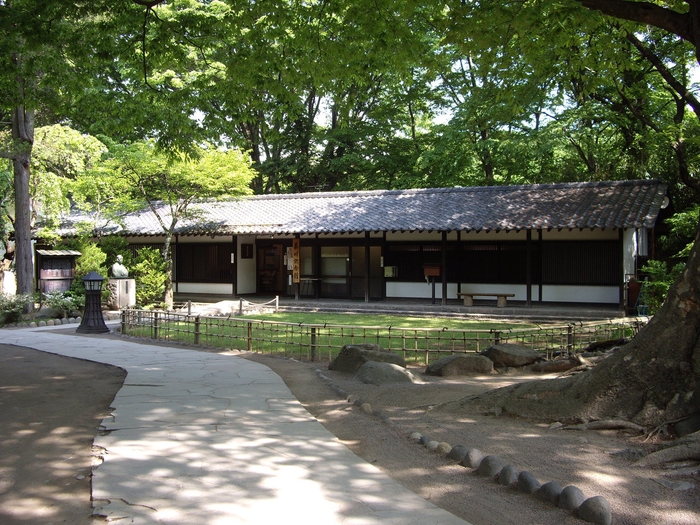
93	322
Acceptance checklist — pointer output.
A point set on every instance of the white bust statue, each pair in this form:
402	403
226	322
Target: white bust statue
119	271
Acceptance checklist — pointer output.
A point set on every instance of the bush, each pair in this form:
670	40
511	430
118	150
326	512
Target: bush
66	302
113	246
12	307
92	259
149	272
659	280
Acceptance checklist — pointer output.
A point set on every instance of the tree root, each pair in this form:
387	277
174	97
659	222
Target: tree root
577	370
685	448
608	424
680	452
660	429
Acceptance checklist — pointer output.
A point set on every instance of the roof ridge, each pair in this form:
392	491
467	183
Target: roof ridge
453	189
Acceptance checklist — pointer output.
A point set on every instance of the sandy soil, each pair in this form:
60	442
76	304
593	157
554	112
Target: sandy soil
586	459
50	408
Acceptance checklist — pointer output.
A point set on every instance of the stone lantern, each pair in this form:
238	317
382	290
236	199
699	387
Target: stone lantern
93	322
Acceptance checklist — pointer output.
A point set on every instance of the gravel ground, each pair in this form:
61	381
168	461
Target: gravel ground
50	407
590	460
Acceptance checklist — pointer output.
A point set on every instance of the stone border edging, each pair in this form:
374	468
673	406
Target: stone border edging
595	509
57	322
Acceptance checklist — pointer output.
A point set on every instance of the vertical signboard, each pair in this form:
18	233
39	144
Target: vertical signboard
295	260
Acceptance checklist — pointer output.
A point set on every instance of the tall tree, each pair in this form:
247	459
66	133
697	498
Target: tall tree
41	48
655	379
139	176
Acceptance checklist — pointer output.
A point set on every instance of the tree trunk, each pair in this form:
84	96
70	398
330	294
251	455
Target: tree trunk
23	138
23	230
652	380
168	258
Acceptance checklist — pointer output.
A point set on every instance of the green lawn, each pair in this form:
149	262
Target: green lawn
385	320
321	335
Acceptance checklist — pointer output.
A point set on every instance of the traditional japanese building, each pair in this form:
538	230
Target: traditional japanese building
550	243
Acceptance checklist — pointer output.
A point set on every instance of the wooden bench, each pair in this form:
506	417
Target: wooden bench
500	301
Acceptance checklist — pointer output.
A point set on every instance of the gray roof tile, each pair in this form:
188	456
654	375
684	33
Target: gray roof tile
622	204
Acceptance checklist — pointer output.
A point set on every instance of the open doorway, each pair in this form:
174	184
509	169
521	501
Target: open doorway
271	270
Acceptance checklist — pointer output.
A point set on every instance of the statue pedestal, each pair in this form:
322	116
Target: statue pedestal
122	293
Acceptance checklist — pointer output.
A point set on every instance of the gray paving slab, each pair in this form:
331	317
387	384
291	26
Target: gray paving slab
207	439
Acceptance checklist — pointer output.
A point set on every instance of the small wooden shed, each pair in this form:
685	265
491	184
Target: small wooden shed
56	269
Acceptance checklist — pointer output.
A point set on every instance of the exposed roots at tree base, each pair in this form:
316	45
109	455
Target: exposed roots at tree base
610	424
687	448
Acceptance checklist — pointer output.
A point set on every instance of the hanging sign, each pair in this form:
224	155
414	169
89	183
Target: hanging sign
295	261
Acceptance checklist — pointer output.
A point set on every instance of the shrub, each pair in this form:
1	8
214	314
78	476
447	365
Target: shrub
12	307
113	246
66	302
659	280
149	272
92	259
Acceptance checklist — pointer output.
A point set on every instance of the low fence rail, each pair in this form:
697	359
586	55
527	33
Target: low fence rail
319	342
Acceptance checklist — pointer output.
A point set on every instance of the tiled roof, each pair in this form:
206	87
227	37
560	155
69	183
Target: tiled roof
58	253
622	204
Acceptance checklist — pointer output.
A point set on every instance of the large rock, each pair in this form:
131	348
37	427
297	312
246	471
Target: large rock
460	365
375	373
596	510
490	466
571	498
508	354
352	357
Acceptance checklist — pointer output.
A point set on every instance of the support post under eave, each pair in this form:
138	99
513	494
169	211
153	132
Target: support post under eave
444	268
234	265
621	271
528	269
367	265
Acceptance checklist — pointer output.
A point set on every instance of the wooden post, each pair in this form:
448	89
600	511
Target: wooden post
313	343
197	330
155	325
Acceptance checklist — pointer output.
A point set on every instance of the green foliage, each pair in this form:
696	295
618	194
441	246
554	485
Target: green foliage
65	302
149	272
6	200
659	280
680	239
92	259
12	307
115	245
139	174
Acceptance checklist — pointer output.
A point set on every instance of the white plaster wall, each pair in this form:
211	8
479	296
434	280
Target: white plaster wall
424	290
212	288
581	294
629	250
8	283
419	290
563	294
245	277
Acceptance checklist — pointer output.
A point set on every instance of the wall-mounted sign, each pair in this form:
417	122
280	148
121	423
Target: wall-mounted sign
296	252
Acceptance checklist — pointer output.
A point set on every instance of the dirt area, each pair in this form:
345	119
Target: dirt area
586	459
50	408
